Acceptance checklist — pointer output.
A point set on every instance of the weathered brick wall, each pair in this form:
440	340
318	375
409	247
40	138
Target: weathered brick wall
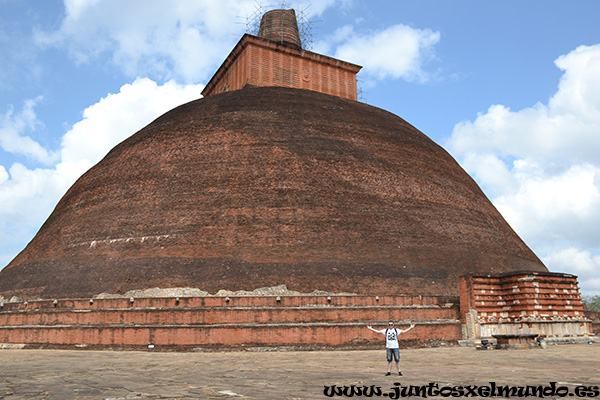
545	303
595	318
280	26
296	321
523	296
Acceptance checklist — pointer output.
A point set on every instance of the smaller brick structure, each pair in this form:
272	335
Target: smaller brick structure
546	304
594	316
275	58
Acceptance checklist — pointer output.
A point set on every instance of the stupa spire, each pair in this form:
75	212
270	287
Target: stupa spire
280	26
275	58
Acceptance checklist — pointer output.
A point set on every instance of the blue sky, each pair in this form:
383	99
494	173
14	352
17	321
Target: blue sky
510	88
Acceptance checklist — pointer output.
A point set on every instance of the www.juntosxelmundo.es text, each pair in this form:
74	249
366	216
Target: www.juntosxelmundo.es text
435	390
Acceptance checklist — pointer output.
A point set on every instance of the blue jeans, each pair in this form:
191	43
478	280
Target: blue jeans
395	352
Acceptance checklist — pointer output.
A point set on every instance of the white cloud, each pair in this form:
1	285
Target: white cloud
397	52
183	40
3	175
551	209
565	130
117	116
541	165
29	195
489	168
13	140
579	88
580	263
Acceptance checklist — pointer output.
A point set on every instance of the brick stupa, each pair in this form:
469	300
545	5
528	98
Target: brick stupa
277	176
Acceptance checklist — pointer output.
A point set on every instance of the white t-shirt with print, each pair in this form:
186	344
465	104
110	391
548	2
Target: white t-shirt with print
391	338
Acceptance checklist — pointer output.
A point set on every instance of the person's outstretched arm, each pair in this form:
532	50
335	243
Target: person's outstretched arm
409	328
374	330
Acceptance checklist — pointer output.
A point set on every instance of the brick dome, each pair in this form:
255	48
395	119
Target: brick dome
267	186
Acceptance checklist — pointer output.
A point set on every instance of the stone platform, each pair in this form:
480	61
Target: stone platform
514	341
86	375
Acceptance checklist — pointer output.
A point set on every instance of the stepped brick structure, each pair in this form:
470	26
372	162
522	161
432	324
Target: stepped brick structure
300	322
547	304
277	177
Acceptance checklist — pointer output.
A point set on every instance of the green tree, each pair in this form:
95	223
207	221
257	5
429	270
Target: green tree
592	303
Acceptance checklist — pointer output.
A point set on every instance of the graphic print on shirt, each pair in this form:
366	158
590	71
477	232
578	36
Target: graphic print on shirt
391	335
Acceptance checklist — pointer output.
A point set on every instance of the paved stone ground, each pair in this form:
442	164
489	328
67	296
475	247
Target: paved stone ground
84	374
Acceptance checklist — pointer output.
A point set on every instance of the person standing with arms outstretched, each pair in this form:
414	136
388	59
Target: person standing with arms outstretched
391	344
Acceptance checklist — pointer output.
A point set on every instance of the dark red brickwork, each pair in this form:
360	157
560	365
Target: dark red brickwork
267	186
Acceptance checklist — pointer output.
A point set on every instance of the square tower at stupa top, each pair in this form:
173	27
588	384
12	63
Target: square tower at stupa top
275	58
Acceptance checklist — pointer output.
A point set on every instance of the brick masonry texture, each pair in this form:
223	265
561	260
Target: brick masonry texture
280	26
522	297
594	316
276	58
290	321
547	304
267	186
260	62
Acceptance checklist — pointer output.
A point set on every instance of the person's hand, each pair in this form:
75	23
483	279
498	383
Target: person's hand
369	326
412	326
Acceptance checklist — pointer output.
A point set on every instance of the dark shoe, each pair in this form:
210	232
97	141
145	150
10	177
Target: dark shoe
399	373
388	374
